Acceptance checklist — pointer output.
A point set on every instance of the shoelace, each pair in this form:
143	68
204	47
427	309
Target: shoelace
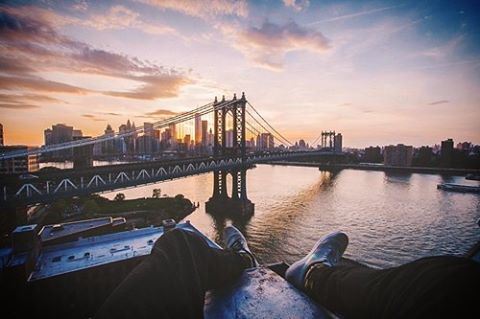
237	245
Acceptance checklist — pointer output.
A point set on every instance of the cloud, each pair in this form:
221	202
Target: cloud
39	84
162	112
25	101
267	45
439	102
120	17
157	87
17	106
297	5
31	45
28	97
109	113
93	117
203	8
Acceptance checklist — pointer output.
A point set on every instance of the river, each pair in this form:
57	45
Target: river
390	218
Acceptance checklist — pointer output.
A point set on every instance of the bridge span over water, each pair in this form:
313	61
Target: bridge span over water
53	185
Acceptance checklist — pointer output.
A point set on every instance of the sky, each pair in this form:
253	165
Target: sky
379	72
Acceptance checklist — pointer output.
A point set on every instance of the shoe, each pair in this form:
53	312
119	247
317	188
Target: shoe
235	241
328	251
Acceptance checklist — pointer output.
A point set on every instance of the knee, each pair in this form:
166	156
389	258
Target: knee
177	237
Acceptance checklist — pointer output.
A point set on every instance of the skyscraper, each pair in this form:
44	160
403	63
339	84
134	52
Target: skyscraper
1	134
148	129
198	128
204	133
265	141
60	133
173	132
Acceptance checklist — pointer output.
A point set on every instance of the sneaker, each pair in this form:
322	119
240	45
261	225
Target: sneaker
235	241
328	251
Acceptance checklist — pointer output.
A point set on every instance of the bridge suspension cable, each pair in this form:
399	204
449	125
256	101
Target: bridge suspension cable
204	109
316	140
278	136
268	124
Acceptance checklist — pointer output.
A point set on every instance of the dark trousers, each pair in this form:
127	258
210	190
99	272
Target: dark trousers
433	287
171	282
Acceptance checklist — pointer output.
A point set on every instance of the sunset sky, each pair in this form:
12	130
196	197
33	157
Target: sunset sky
380	72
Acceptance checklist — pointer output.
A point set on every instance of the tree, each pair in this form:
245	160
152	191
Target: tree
157	193
119	197
91	207
179	197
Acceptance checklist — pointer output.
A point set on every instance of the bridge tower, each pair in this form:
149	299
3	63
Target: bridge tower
238	202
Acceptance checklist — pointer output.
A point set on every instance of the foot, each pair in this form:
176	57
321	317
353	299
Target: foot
235	241
328	251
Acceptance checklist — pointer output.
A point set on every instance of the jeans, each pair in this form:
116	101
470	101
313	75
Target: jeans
172	281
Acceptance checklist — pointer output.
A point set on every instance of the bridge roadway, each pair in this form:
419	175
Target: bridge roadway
50	186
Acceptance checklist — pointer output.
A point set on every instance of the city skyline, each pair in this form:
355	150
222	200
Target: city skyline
379	72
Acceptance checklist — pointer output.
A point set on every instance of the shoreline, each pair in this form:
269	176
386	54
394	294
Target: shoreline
411	169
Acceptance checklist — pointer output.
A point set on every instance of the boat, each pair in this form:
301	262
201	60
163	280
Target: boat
473	177
459	188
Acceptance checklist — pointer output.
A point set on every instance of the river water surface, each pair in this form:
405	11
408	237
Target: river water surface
390	219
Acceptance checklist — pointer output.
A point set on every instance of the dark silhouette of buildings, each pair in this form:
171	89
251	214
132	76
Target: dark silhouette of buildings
399	155
446	153
60	133
373	155
1	134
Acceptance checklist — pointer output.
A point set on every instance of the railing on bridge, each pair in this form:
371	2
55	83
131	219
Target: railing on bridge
67	183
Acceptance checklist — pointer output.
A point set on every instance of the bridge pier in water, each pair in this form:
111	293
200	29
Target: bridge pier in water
238	203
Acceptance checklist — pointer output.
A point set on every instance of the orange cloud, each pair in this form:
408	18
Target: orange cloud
30	44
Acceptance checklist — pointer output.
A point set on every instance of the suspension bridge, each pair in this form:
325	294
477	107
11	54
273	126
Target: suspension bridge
237	115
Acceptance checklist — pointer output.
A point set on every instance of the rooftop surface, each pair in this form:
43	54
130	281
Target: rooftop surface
99	250
54	231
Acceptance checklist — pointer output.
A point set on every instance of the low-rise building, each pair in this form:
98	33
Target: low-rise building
399	155
20	164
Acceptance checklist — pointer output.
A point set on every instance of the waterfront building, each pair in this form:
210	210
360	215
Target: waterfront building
372	155
18	165
464	147
423	157
446	153
400	155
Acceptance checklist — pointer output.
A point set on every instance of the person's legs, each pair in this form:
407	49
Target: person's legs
427	288
171	282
